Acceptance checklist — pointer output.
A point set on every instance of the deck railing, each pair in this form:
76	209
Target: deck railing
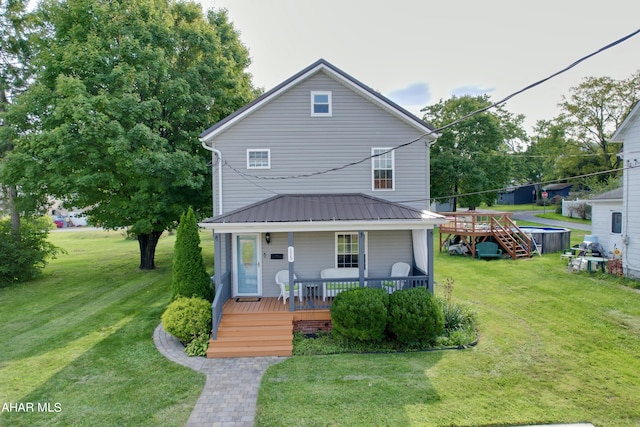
319	293
223	293
473	221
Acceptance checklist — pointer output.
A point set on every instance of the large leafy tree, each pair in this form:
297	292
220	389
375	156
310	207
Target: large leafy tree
545	156
124	87
590	114
472	156
15	72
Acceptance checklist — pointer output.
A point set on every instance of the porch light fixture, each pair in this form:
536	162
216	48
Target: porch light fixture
267	238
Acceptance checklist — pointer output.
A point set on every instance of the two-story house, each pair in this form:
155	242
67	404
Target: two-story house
322	183
629	218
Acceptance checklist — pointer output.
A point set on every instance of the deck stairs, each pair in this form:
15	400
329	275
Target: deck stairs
253	334
512	239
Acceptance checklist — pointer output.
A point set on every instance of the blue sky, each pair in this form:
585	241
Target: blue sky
417	52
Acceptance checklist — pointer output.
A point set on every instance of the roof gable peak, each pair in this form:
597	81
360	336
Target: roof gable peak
320	65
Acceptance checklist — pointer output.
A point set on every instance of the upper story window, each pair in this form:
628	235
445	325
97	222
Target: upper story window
259	159
616	222
321	104
382	168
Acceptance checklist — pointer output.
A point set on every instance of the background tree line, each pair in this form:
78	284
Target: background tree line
492	151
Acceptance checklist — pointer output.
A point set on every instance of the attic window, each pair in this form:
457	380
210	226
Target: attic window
321	104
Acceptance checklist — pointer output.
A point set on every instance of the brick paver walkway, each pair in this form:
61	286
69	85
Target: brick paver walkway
230	393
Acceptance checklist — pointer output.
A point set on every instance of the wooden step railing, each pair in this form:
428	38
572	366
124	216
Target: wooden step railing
511	237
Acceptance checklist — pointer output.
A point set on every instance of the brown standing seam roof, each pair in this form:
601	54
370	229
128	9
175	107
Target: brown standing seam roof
318	207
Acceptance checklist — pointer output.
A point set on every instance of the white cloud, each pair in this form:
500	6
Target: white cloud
416	94
471	90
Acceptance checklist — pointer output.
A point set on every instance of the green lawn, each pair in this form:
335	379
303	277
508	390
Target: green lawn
79	339
554	348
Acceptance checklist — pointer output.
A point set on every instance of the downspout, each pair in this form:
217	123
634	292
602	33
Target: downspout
218	153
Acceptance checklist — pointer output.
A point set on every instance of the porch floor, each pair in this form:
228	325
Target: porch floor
253	327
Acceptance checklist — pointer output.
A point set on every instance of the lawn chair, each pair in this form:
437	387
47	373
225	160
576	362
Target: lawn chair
282	279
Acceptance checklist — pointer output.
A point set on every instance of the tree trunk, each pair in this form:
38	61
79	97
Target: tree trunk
13	210
147	243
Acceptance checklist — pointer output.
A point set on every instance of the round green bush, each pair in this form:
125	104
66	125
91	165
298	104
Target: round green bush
415	316
360	314
187	318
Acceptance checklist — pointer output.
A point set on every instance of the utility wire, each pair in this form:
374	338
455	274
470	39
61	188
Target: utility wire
447	126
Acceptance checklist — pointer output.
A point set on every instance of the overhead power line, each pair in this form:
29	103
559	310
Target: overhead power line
447	126
495	190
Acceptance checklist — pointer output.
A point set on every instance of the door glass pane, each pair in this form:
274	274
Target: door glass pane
247	252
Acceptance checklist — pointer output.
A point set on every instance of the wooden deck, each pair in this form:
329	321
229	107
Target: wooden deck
258	327
472	227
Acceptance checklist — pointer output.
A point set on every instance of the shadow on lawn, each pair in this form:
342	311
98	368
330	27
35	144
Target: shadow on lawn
120	380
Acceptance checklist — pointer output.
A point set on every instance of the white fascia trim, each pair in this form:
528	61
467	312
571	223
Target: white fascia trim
308	226
616	137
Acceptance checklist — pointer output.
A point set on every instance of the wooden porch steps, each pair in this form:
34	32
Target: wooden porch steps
253	334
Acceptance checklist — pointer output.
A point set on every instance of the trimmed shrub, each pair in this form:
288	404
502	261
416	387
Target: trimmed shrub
415	316
188	318
360	314
190	276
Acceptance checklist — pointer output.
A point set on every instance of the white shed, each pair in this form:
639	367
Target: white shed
606	219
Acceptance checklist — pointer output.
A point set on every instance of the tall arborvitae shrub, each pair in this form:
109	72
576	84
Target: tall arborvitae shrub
190	277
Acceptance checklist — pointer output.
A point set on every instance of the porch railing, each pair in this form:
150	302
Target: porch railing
223	293
319	293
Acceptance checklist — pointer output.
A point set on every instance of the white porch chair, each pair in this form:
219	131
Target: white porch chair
282	279
399	269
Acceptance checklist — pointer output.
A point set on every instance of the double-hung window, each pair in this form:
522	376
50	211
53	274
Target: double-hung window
321	104
382	169
616	222
348	250
258	159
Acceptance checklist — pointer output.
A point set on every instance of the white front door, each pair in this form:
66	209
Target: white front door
247	265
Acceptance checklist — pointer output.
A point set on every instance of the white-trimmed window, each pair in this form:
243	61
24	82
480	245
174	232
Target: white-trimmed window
321	104
616	222
348	250
258	159
382	169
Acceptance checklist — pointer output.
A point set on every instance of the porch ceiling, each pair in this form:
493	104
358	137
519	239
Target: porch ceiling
323	212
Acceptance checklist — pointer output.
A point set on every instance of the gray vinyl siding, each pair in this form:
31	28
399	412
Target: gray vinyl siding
316	251
631	197
301	144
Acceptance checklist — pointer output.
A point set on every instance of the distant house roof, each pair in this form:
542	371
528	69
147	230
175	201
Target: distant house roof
608	196
558	186
287	211
332	70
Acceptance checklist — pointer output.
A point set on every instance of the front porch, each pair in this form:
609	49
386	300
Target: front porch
264	326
